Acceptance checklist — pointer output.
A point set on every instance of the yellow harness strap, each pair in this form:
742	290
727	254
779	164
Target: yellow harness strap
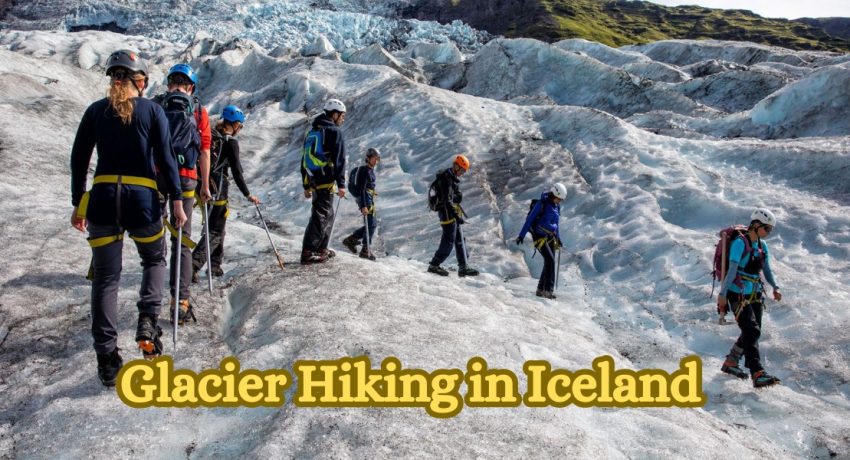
186	241
82	208
149	239
104	240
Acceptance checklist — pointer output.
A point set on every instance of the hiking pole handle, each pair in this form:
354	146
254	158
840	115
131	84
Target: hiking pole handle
274	248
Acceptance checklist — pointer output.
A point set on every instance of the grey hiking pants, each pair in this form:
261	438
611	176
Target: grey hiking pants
106	263
317	235
216	223
186	252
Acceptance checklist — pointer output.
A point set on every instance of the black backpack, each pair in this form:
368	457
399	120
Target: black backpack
185	138
217	163
433	196
531	208
354	187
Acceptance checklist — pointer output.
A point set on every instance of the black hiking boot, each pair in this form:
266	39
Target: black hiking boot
196	278
438	270
351	244
763	379
217	272
328	253
364	254
732	368
185	313
147	336
108	365
466	271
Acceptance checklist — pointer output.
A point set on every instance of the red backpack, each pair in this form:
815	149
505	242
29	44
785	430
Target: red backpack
721	251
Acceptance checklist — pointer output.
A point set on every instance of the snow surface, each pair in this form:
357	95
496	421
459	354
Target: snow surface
638	226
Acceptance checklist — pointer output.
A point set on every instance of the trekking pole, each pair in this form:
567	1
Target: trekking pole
177	287
463	243
207	240
274	248
333	224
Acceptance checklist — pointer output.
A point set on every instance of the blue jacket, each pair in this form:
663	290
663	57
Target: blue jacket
128	150
543	218
334	145
739	263
365	176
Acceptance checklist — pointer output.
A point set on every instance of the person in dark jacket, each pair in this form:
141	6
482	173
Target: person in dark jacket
743	290
542	222
365	175
319	183
451	217
227	159
193	168
132	138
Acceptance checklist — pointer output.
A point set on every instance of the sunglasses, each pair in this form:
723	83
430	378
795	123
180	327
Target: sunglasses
767	228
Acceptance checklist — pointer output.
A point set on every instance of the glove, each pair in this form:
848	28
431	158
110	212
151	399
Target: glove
558	244
519	240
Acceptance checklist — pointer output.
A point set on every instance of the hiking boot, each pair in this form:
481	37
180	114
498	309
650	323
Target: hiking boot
185	313
539	293
217	272
310	257
108	365
147	336
438	270
367	255
196	278
328	253
548	295
763	379
466	271
732	368
351	244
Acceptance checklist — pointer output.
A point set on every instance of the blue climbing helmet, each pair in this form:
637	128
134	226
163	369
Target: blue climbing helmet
232	114
183	69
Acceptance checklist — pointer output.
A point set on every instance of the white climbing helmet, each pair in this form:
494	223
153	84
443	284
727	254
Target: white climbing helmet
558	190
334	105
764	216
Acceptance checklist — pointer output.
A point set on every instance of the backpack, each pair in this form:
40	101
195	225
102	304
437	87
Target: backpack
531	208
217	164
355	188
721	250
433	196
313	155
185	138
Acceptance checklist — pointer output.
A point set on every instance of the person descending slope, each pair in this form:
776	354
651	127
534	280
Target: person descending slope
361	184
191	139
542	221
742	289
131	135
322	168
444	197
226	158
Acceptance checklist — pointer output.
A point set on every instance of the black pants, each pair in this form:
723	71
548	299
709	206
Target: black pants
317	235
217	221
106	262
360	233
749	320
451	238
185	269
547	277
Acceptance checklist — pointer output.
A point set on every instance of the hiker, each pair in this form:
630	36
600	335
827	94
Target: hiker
322	170
447	204
225	156
131	135
542	221
361	183
742	292
191	139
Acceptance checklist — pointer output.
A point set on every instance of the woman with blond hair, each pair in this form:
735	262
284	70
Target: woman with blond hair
132	139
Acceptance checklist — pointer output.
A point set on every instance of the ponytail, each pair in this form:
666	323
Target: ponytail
120	102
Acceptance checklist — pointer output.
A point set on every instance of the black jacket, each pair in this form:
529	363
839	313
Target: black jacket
448	195
228	159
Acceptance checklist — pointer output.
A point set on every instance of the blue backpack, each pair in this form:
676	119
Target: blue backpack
313	155
185	138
